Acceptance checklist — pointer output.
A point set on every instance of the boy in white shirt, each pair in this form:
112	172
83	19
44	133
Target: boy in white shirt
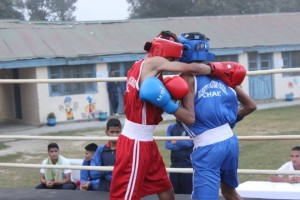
55	178
293	165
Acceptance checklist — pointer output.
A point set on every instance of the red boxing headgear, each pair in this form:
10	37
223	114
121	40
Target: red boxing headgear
164	45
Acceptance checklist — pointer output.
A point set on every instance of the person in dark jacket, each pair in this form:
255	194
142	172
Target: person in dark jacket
85	177
180	158
113	94
106	156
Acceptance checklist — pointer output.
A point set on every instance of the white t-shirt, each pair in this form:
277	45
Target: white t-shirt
288	167
64	161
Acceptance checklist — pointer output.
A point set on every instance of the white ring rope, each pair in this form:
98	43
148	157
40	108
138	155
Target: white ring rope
157	138
111	79
110	168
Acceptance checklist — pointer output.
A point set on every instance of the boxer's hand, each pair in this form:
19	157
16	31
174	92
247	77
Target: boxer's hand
177	87
231	73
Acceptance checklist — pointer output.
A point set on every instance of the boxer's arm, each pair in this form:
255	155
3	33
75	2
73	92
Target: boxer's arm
185	112
247	104
155	65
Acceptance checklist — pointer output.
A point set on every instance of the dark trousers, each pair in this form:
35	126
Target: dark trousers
114	101
67	186
104	185
182	183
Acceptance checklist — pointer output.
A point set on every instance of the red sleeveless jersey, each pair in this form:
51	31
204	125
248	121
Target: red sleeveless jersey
136	110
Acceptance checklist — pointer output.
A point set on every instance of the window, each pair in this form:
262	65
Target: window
291	59
252	58
75	71
262	61
120	68
233	58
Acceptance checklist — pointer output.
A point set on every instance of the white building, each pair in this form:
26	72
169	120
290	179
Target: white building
42	50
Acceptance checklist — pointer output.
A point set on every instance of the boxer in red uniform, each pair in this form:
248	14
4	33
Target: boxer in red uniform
139	169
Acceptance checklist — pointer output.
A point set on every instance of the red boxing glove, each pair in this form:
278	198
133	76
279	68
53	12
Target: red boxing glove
231	73
177	87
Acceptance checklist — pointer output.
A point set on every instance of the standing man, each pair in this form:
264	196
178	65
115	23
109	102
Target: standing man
55	178
139	170
113	93
211	109
181	151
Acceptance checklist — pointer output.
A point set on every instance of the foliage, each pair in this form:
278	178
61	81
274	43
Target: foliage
51	10
11	9
51	115
178	8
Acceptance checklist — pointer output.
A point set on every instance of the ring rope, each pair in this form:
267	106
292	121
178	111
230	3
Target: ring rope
157	138
172	170
111	79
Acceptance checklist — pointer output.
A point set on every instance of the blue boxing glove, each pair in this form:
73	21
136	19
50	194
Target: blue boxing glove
154	91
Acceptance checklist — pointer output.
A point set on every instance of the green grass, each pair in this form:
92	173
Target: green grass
2	146
253	154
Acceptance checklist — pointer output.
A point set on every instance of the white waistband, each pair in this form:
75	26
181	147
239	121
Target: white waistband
212	136
139	132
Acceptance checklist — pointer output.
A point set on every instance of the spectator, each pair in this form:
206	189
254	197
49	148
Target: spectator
85	177
113	94
55	178
106	156
292	165
180	158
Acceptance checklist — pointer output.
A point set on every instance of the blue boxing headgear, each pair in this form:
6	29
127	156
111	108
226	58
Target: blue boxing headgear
195	48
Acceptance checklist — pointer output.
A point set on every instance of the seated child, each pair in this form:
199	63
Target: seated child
55	178
85	179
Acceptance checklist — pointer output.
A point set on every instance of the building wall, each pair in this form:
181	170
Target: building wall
37	103
243	60
284	84
7	102
72	107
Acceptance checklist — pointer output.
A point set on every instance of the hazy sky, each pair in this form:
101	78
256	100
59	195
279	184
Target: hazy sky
89	10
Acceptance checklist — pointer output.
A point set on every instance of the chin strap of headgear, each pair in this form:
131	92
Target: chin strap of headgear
164	45
195	47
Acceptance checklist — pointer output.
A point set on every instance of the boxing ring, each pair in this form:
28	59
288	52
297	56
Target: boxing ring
248	190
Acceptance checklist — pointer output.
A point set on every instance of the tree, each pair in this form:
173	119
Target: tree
38	10
159	8
51	10
11	9
62	9
178	8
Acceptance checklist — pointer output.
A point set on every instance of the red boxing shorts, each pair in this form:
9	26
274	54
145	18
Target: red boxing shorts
139	170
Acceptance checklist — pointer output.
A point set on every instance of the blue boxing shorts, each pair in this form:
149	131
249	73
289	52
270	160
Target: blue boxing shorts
214	163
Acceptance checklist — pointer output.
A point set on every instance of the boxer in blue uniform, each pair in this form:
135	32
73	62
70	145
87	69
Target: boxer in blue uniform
216	110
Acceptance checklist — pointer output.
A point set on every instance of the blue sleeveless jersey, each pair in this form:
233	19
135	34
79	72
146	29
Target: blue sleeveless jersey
215	105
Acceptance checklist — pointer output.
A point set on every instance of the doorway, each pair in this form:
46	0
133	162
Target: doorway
261	86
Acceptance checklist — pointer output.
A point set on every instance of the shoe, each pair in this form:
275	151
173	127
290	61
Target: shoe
117	114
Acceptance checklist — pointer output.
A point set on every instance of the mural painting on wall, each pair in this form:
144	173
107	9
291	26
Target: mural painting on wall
90	108
69	107
292	84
